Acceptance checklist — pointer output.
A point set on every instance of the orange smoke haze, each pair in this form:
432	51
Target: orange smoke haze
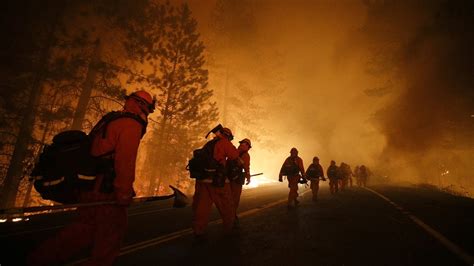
341	70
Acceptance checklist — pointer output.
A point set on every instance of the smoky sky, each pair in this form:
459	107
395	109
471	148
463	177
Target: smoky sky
363	80
435	69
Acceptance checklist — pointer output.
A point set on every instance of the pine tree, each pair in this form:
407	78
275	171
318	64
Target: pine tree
170	49
246	74
39	102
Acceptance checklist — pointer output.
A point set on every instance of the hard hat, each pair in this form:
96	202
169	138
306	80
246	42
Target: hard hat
227	132
144	98
316	158
293	149
246	141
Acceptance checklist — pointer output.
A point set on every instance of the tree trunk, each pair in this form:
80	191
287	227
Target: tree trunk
225	98
15	169
160	152
157	154
87	88
26	201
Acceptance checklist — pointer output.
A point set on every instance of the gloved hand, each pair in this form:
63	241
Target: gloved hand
248	181
280	178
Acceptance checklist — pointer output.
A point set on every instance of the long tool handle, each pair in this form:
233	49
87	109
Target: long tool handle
87	204
257	174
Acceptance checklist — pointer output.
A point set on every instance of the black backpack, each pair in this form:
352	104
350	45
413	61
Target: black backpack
66	166
314	171
235	172
290	168
203	165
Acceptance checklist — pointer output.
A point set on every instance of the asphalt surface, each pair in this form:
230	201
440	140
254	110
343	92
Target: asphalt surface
356	227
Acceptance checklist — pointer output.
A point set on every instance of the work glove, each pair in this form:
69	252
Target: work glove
248	180
280	178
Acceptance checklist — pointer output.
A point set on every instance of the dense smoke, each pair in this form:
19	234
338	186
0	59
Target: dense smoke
429	126
386	83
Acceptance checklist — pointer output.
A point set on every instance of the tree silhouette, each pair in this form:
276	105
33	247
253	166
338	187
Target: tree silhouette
169	48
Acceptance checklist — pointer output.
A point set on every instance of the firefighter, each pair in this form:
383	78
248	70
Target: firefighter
363	175
357	175
103	227
351	175
345	175
215	188
314	173
333	175
291	168
240	175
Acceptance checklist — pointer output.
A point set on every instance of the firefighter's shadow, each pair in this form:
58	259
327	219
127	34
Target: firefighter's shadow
223	248
291	220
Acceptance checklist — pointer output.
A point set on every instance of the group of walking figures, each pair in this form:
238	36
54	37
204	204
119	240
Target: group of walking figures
219	169
340	177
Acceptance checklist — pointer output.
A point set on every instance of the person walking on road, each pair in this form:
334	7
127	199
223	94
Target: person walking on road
333	175
314	173
103	227
293	169
240	174
215	188
363	175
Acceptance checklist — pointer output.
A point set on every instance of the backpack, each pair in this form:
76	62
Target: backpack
290	168
333	172
313	171
66	167
203	165
235	171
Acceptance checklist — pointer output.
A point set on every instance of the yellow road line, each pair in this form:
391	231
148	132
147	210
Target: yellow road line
168	237
463	255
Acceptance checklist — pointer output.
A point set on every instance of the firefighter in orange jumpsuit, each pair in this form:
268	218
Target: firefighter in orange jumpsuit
241	176
314	173
291	168
345	175
333	175
364	174
215	189
103	227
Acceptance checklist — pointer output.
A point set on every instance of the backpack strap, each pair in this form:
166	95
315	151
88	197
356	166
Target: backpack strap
104	122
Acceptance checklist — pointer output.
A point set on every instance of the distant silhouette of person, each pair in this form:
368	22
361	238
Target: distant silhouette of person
293	169
333	174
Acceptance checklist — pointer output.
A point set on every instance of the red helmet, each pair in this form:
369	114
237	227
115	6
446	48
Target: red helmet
145	99
226	131
246	141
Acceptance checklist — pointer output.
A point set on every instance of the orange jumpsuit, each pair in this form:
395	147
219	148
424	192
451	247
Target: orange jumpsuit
206	194
317	172
293	180
101	227
333	175
235	186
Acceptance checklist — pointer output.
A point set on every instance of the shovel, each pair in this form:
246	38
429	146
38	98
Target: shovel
180	201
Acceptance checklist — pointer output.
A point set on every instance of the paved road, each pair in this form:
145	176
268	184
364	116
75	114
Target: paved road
357	227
